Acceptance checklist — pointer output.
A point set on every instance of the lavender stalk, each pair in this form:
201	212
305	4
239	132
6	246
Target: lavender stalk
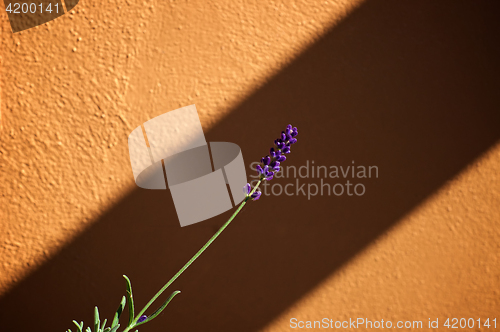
270	165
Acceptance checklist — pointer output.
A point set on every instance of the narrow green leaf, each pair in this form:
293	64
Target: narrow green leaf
88	329
160	309
97	322
130	300
114	329
69	330
107	329
103	324
78	326
119	312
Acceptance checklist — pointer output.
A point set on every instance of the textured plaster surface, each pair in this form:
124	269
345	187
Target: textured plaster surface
73	89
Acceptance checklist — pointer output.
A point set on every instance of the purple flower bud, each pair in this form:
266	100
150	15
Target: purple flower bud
256	195
294	132
283	136
247	189
279	143
275	165
278	154
272	153
292	141
266	160
281	159
286	149
259	169
270	177
267	173
142	319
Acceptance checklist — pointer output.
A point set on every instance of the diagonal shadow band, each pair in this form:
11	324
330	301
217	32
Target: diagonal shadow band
411	87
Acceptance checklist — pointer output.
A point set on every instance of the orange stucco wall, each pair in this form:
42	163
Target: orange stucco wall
411	87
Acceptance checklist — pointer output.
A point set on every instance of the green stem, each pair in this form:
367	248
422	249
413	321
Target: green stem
209	242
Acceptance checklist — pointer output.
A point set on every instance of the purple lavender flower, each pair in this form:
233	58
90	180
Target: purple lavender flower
256	195
270	164
247	189
280	143
275	165
281	159
142	319
267	174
